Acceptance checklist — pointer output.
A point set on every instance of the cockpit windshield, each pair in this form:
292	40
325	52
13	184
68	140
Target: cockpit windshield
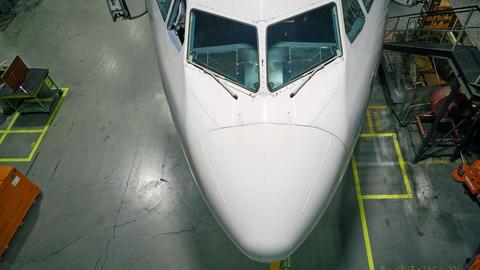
226	47
300	43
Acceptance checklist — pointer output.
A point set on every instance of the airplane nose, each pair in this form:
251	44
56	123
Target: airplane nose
268	184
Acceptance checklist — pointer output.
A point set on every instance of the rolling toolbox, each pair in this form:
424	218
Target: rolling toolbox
17	194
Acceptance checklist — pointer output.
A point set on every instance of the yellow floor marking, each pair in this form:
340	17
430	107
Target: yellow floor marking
378	107
49	122
387	197
370	122
401	162
361	197
372	135
10	125
20	131
15	160
42	132
275	266
363	217
378	120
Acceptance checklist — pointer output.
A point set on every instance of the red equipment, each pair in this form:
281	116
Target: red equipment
455	109
475	264
459	104
470	176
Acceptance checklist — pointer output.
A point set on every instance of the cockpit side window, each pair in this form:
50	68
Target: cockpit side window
301	43
176	22
224	47
353	17
368	4
164	6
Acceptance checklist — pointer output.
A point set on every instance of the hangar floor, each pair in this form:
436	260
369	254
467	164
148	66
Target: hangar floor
117	193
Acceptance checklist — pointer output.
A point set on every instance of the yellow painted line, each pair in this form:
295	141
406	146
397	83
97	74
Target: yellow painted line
398	151
377	107
10	125
42	132
49	122
371	135
20	131
48	82
370	122
401	162
361	197
387	197
363	217
15	159
275	266
378	121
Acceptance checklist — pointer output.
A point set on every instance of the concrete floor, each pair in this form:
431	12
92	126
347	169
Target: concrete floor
117	193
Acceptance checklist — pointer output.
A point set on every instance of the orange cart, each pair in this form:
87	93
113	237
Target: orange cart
17	194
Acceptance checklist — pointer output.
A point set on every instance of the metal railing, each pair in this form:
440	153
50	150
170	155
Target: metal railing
450	26
451	32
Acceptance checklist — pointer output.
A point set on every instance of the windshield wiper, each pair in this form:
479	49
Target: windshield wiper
310	75
217	78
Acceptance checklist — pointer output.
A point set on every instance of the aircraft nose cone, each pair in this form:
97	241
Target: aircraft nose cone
268	184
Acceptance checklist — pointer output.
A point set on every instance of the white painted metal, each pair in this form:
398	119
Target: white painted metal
267	164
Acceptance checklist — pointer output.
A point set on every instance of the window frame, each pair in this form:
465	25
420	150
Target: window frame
189	40
167	11
352	40
368	6
340	46
172	33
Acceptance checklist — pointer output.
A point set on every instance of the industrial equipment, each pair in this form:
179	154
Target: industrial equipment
439	33
17	194
474	262
119	9
469	175
459	105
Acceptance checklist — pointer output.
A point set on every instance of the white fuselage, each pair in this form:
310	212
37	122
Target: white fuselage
268	164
